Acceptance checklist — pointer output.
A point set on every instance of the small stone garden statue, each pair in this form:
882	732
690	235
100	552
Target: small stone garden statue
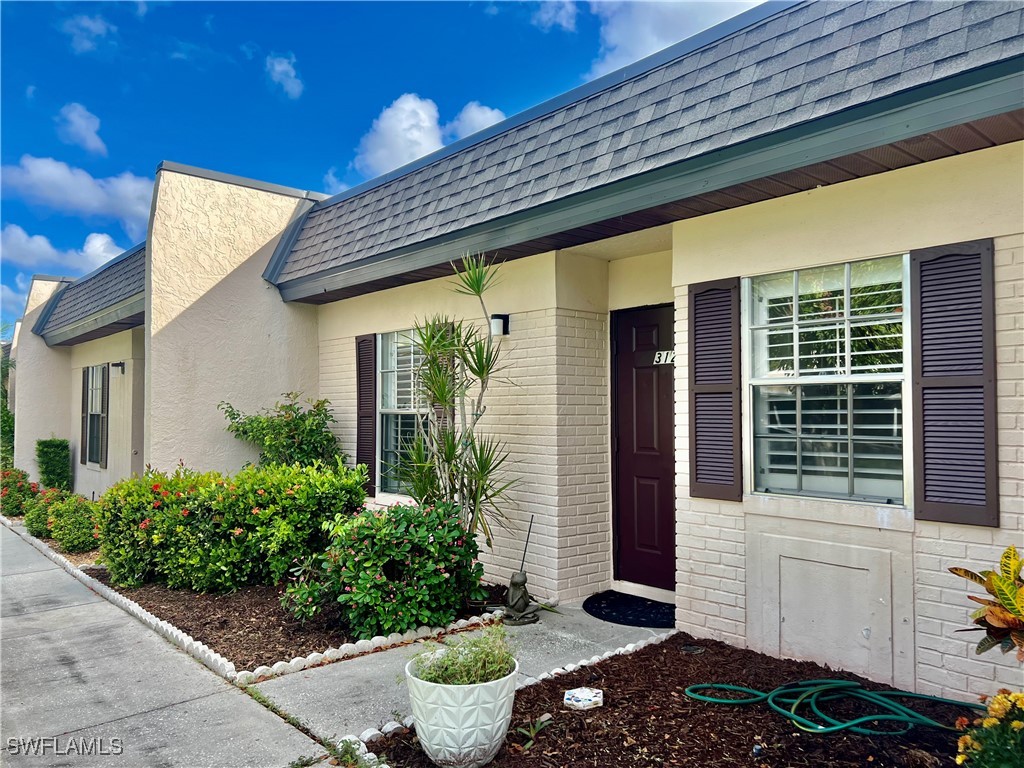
520	608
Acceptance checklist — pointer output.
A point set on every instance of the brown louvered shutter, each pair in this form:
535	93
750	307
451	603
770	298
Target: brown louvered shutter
954	387
716	469
83	443
104	408
366	407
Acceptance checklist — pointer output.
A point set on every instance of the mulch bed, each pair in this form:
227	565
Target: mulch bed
648	721
248	627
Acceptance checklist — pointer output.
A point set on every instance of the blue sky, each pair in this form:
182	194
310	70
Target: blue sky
318	96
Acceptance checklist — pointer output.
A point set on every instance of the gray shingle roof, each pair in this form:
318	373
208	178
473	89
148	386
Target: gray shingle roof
119	279
804	62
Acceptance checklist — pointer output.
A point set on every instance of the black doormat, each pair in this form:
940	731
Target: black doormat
629	610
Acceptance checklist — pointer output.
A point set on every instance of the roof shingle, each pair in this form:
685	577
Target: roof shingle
807	61
121	278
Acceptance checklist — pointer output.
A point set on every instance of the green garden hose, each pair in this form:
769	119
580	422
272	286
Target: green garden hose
789	698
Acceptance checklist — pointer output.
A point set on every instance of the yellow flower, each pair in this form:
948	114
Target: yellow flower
990	722
961	759
1017	725
999	706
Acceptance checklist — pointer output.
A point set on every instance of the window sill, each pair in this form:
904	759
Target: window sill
894	517
385	500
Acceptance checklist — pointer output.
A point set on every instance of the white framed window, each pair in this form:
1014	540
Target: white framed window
94	421
399	407
826	373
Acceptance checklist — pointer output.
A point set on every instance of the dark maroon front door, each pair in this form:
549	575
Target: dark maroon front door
643	360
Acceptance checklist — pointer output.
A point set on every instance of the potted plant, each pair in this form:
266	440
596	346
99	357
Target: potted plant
461	696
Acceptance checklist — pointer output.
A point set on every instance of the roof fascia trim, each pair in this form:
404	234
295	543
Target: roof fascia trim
711	35
285	244
981	93
108	316
240	181
51	304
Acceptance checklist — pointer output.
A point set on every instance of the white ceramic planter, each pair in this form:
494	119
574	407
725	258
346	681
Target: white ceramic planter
461	726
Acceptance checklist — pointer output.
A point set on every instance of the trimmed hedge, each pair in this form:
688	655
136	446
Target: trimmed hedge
53	456
73	523
391	570
211	533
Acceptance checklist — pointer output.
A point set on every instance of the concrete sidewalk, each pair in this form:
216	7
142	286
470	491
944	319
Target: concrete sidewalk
77	672
350	696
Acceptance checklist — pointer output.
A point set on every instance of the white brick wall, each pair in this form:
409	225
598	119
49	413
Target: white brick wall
553	416
584	491
710	536
712	581
946	662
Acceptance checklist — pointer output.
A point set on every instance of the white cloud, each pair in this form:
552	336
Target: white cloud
36	253
45	181
410	127
30	92
473	117
632	30
12	301
86	31
208	23
141	9
250	49
555	13
332	184
77	125
406	130
282	71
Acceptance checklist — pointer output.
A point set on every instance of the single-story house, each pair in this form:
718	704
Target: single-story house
765	298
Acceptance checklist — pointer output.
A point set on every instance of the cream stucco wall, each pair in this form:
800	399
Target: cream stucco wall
640	280
216	331
125	408
764	572
41	408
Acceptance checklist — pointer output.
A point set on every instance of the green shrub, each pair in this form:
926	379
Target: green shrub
73	523
54	458
128	514
15	490
467	661
39	514
391	570
288	433
210	533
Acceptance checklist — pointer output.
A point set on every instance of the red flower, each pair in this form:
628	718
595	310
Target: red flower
144	524
156	504
256	510
156	486
184	513
165	493
260	492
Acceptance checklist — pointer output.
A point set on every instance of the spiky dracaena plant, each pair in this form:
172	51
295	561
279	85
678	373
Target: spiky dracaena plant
449	460
1001	618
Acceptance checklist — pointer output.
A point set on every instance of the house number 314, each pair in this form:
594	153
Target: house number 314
664	358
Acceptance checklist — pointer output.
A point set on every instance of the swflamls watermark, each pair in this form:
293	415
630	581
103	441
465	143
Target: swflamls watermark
64	747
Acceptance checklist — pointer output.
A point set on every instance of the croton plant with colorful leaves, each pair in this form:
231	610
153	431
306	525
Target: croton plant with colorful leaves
1001	616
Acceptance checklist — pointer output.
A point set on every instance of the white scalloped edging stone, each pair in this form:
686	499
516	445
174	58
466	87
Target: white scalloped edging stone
200	652
219	664
361	648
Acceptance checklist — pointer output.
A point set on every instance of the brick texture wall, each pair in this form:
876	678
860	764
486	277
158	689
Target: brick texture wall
710	536
583	453
946	662
553	416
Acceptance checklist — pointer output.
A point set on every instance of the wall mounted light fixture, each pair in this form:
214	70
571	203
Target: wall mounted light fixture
119	365
499	325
